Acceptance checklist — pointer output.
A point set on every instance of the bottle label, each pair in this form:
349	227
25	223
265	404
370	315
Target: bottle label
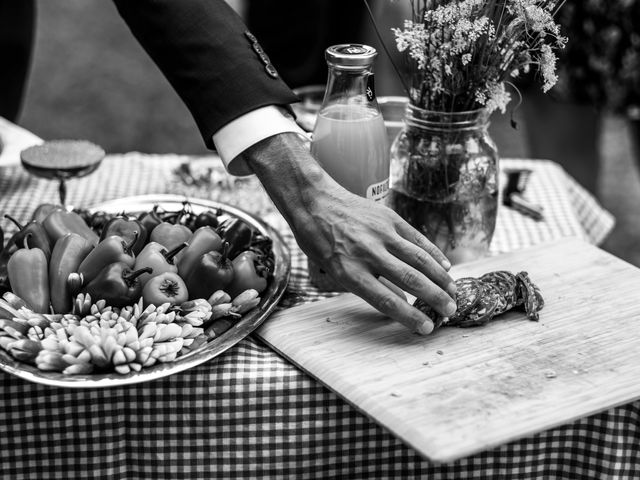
370	91
378	191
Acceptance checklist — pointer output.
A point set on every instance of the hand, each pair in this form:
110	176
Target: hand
363	245
358	242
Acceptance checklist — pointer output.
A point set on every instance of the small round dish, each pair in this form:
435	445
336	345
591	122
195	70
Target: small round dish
62	160
247	324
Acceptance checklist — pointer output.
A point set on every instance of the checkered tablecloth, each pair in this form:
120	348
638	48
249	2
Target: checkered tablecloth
249	413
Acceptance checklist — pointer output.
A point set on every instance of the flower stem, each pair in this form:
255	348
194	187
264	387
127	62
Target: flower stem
384	47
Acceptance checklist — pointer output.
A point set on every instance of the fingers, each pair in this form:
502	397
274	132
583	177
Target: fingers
395	289
388	302
418	284
409	233
424	263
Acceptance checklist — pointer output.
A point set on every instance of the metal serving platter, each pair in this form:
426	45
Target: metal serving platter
247	324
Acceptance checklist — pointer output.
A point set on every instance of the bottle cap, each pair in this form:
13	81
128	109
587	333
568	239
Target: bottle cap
350	55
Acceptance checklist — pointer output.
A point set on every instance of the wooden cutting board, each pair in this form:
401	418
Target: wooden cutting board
461	391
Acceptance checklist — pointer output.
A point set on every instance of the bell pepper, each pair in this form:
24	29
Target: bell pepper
158	258
238	234
97	220
168	287
203	240
150	219
43	210
112	249
15	242
170	235
39	238
213	271
126	228
249	271
29	276
67	254
208	218
60	222
117	284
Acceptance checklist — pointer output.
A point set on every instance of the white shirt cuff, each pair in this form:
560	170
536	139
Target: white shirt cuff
239	134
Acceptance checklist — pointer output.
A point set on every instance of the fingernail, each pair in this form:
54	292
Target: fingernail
446	264
451	308
452	289
426	328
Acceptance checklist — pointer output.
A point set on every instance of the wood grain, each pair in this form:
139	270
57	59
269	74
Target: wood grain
461	391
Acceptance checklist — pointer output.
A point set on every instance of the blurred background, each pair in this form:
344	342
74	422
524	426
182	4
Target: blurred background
90	79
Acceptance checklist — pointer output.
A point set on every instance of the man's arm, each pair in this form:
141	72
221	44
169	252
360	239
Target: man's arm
200	47
354	239
205	51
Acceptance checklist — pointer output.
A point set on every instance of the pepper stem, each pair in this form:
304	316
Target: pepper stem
172	253
130	245
62	190
170	217
18	224
129	276
184	213
27	237
226	246
155	212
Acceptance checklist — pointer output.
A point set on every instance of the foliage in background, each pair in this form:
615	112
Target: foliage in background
601	64
461	52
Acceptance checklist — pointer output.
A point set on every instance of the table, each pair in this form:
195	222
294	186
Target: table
251	414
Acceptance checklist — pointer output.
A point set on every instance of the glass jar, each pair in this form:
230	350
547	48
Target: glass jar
444	180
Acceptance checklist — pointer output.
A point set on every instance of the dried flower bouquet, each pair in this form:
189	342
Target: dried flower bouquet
461	53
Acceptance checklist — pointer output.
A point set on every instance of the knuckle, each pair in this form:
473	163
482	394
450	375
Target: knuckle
362	247
420	240
422	259
411	279
424	243
385	303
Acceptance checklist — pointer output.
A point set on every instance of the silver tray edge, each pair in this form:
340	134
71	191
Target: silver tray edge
246	325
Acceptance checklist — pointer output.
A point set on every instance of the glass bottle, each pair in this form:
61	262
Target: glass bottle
349	138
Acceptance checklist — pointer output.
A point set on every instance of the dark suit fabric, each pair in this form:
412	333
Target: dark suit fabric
17	27
297	32
202	48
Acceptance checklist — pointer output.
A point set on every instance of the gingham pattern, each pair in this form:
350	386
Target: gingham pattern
249	413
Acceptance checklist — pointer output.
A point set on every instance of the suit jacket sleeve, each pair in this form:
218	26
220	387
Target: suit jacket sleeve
205	51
